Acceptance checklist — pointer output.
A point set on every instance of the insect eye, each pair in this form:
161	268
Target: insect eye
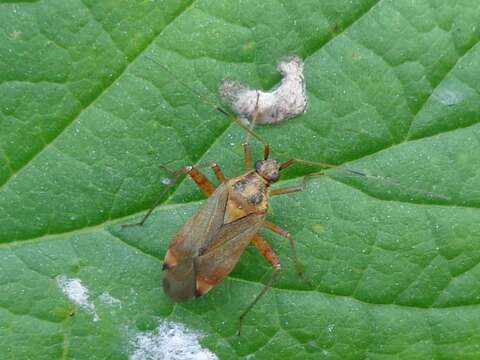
274	177
258	165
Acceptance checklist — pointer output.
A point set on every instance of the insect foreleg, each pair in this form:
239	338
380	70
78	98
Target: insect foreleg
253	121
149	212
247	149
267	251
296	188
201	180
218	172
247	154
287	190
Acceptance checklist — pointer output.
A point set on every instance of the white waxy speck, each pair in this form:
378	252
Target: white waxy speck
169	341
77	293
448	97
166	181
108	299
14	35
288	100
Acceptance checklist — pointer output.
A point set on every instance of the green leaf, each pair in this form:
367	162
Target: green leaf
87	118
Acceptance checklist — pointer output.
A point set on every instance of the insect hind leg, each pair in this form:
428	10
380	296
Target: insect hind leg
266	250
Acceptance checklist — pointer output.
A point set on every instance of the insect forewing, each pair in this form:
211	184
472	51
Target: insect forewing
180	279
206	249
229	243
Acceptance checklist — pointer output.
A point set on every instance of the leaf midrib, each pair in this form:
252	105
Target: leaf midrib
274	288
228	128
164	205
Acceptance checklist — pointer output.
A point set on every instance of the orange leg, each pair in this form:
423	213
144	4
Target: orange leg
218	172
278	230
287	190
247	150
201	180
265	249
247	153
296	188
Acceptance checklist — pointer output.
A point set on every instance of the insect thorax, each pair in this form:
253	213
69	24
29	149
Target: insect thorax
247	195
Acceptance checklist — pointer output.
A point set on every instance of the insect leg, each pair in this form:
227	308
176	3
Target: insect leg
149	212
297	188
265	249
247	153
201	180
218	172
247	149
203	183
287	190
284	233
214	106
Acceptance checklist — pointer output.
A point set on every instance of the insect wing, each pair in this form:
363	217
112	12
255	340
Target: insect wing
179	281
198	231
229	243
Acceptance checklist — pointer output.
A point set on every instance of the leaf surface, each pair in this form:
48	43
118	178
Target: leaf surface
86	118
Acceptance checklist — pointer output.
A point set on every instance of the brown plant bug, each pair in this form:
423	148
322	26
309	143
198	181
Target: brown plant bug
207	248
209	245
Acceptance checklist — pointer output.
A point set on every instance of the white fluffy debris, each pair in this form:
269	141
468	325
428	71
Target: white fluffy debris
288	100
169	341
77	294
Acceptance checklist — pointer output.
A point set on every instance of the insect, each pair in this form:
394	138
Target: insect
207	248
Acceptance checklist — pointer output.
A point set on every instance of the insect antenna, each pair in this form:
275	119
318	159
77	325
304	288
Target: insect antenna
215	106
378	178
252	124
429	194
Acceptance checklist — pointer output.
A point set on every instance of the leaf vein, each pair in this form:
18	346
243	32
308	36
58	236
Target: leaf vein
445	76
94	100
